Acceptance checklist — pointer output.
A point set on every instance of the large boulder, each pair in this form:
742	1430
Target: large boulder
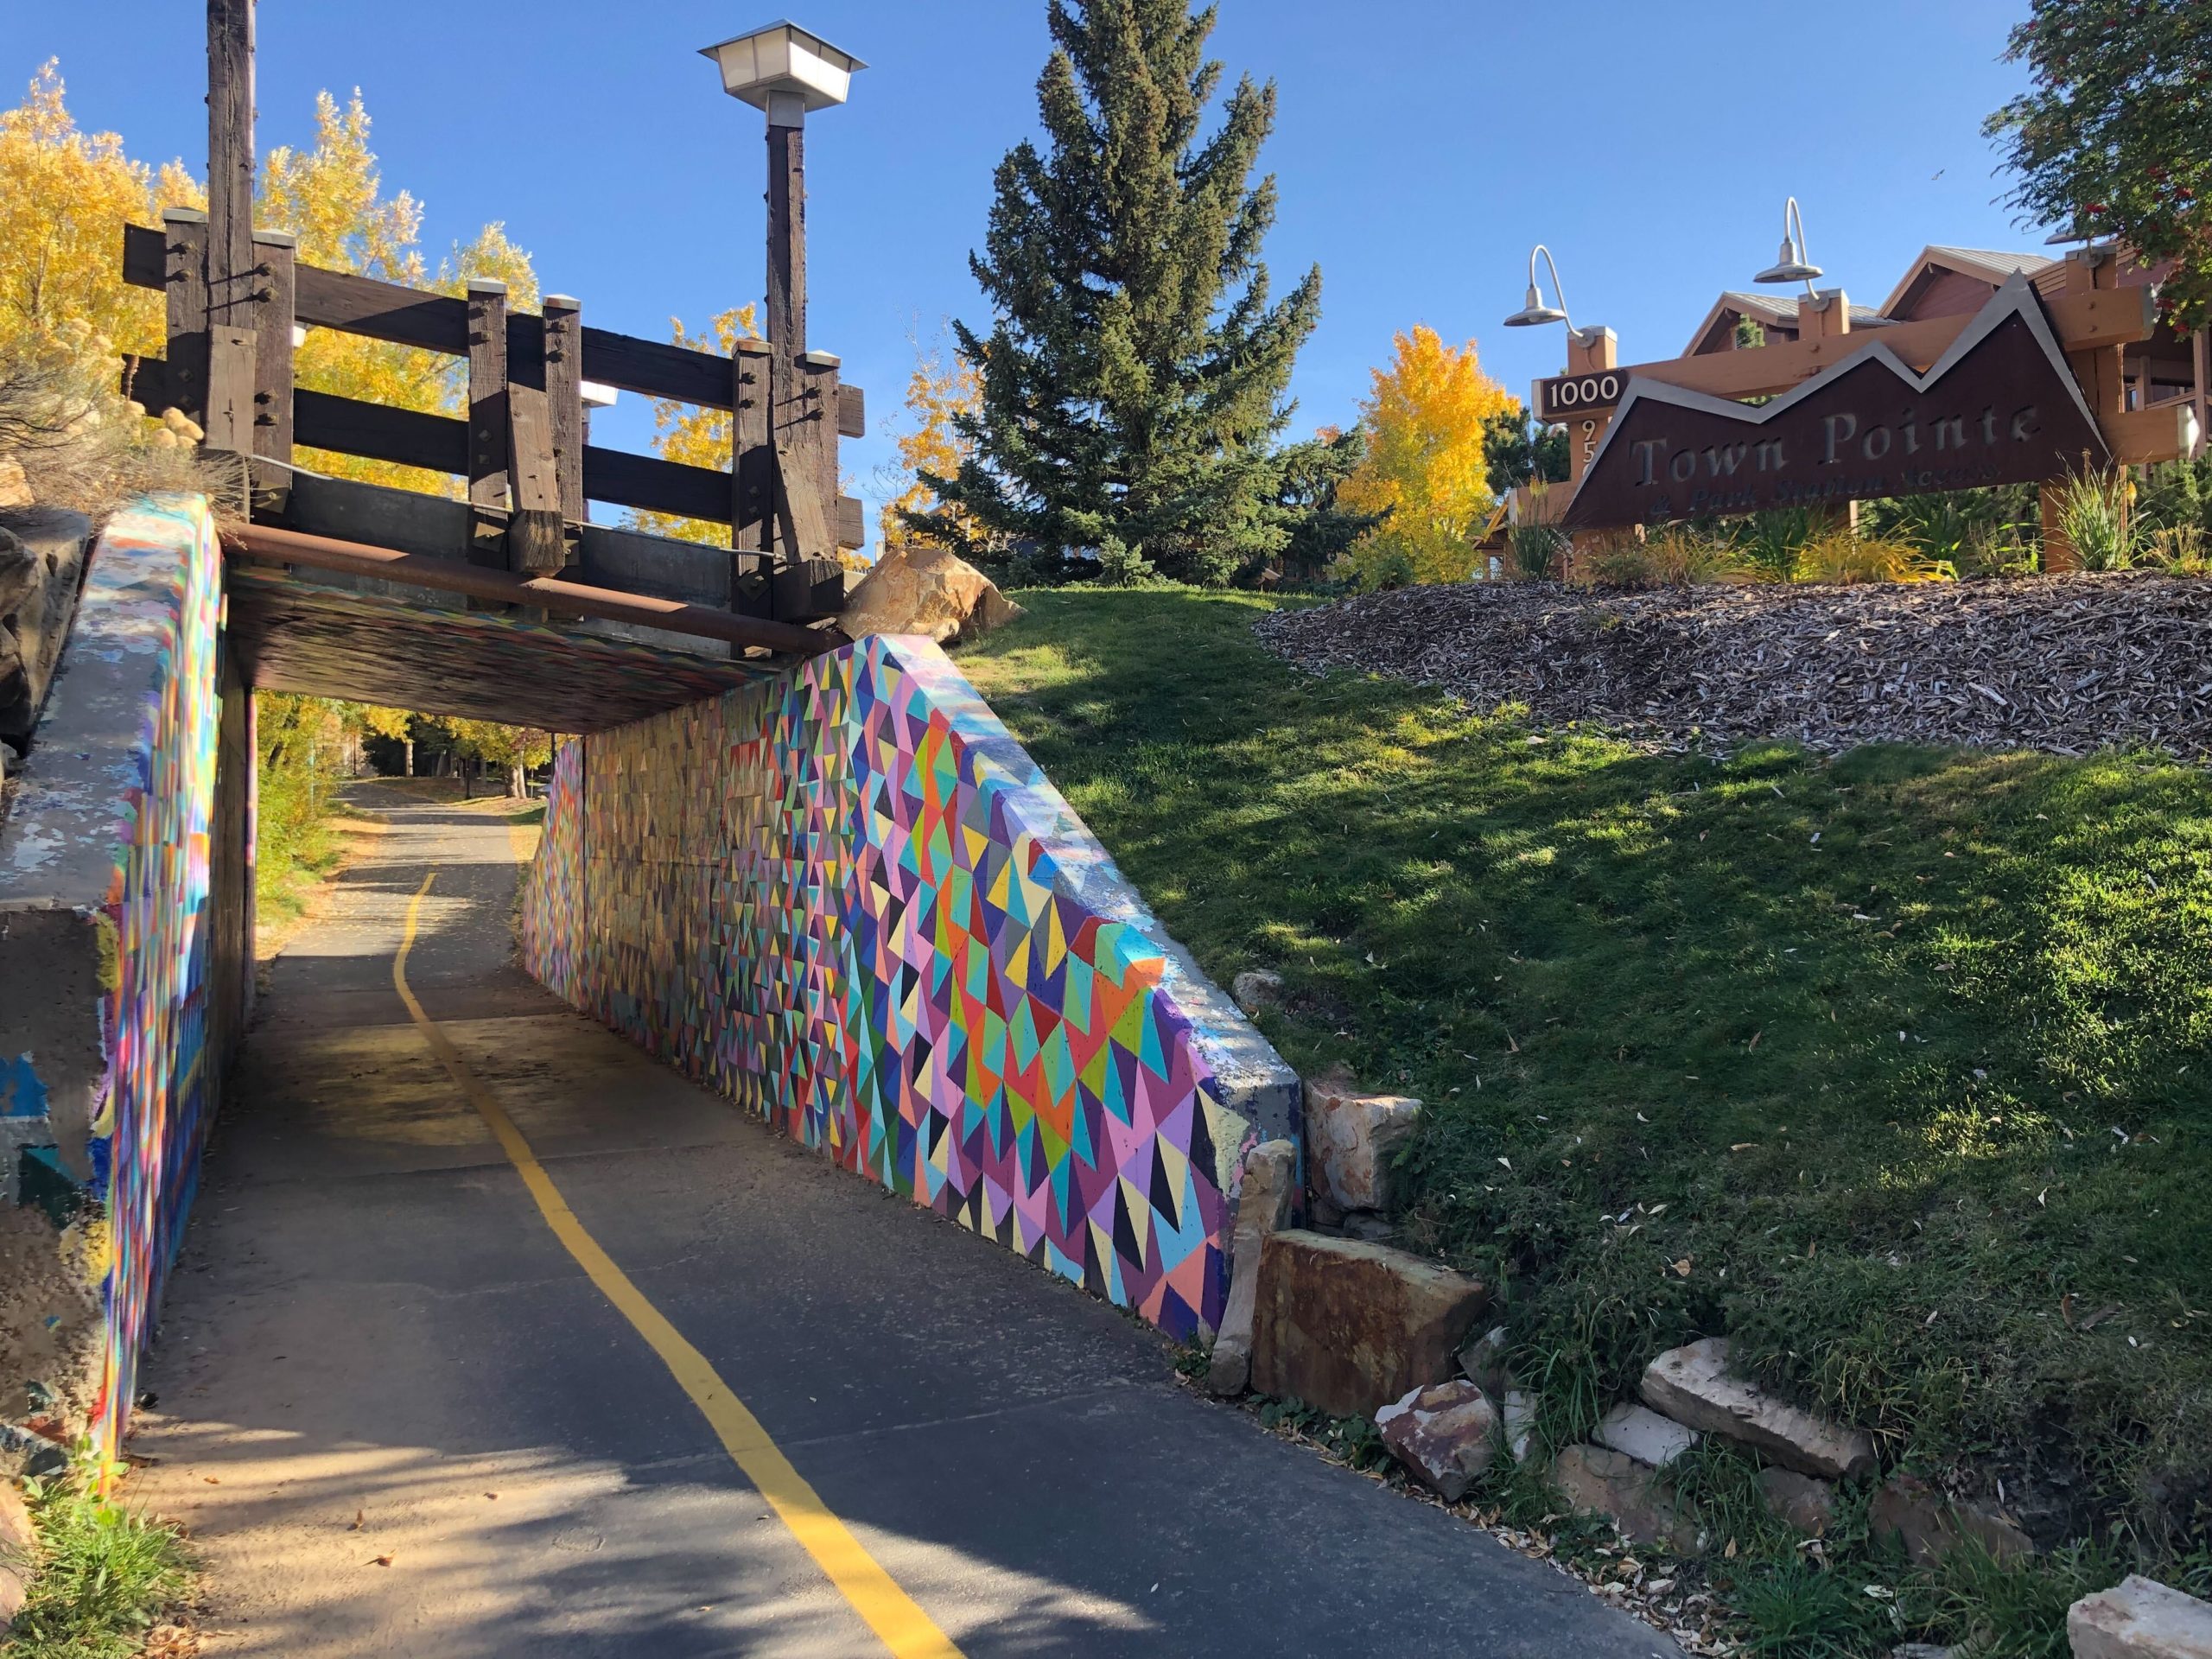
1263	1205
1350	1136
1799	1501
1694	1386
1598	1480
925	590
1445	1435
1349	1326
2140	1618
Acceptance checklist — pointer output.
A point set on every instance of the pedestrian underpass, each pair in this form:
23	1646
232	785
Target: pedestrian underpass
493	1332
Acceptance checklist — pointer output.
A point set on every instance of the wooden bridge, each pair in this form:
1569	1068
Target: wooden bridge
501	601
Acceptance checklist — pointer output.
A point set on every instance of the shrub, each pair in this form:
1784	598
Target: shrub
1771	542
1683	555
1537	550
1843	558
2093	517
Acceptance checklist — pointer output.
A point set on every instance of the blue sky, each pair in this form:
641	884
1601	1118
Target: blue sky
1420	149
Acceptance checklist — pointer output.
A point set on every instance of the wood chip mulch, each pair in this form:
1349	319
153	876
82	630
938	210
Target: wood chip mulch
2064	664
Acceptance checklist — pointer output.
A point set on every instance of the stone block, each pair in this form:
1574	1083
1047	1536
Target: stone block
1598	1480
1932	1524
1256	988
1263	1205
1799	1500
1348	1327
1350	1136
1694	1386
1445	1435
1644	1434
2140	1618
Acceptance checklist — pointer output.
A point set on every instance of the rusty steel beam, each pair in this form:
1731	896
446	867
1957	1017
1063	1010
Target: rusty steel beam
268	542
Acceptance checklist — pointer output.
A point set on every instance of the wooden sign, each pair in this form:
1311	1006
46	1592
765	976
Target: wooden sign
2001	406
1566	395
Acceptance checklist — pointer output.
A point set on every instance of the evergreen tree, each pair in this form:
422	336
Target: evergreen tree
1134	376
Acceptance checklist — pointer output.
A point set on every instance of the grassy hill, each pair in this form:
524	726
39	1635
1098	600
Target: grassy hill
1893	1066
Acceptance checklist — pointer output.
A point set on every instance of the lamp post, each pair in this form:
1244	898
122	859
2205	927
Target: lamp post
787	72
1536	313
1790	264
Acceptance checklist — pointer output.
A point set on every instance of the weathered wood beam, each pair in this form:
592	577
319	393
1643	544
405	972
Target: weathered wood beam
231	277
535	543
274	253
564	399
185	277
571	598
487	423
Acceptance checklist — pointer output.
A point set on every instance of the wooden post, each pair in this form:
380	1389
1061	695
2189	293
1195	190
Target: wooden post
1824	314
564	399
798	529
232	281
753	479
487	423
1589	350
536	545
184	234
276	253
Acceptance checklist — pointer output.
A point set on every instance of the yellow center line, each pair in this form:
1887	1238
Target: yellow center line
894	1615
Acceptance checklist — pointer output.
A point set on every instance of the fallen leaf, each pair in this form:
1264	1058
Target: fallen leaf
378	1561
359	1515
1744	1146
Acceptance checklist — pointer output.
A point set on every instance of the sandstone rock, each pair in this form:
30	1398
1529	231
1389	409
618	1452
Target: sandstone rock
1609	1483
18	1550
1263	1204
1644	1434
2140	1618
1368	1225
1256	988
925	590
1348	1327
15	488
1932	1524
1693	1386
1445	1435
1800	1500
1482	1362
1350	1138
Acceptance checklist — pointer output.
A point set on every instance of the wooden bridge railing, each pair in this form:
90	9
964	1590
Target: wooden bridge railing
523	447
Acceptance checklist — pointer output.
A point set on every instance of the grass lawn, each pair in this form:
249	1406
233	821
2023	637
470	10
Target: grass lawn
1894	1066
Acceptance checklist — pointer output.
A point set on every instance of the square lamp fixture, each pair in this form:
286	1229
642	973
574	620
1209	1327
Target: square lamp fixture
782	64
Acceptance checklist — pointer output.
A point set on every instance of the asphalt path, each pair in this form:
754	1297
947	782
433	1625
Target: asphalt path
400	1418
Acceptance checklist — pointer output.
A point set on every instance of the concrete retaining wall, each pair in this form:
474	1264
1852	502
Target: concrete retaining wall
125	924
852	902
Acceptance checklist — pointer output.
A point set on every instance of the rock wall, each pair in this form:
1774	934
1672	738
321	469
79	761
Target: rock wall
850	901
126	924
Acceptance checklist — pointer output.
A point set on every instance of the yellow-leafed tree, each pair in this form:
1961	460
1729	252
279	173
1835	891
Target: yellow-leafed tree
332	198
1424	469
943	385
65	197
695	436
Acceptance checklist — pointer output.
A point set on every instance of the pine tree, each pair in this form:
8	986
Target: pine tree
1133	377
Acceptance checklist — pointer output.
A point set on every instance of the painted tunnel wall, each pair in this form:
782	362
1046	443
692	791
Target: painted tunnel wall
850	901
126	896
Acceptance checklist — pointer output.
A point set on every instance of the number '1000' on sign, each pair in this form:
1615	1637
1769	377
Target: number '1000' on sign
1564	394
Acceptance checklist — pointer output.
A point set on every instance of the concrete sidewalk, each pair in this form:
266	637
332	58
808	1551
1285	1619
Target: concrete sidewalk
400	1420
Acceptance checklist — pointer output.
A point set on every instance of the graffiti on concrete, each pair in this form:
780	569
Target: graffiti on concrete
852	902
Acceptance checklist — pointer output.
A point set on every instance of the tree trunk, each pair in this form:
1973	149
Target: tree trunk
518	786
410	757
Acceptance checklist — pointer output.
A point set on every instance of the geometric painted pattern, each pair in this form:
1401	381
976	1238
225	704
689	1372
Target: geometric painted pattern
845	900
156	580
